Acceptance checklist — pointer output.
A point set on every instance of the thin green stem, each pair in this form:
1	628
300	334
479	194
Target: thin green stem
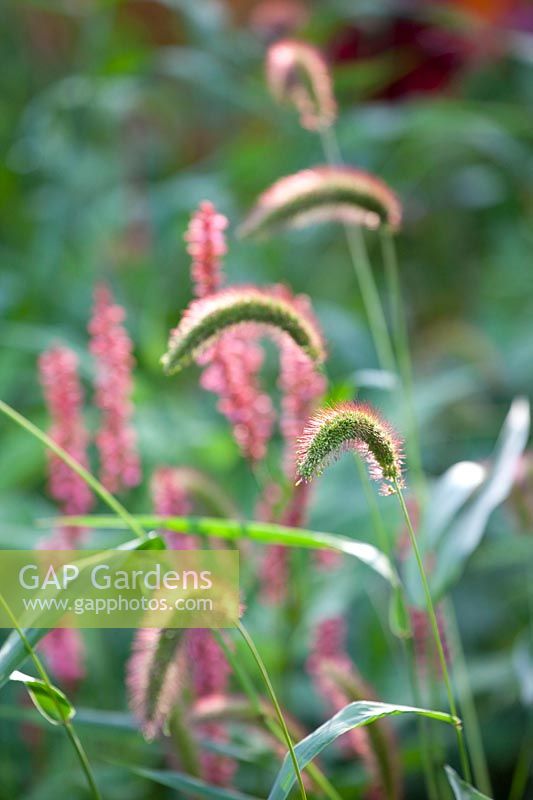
465	765
71	733
363	271
75	466
407	644
184	744
424	733
264	673
466	699
523	766
400	336
265	714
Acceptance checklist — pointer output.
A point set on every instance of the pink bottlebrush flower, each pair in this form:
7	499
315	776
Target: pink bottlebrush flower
426	656
217	769
210	670
206	245
329	647
274	575
324	194
297	73
63	648
210	676
112	349
231	371
170	498
58	369
232	365
274	568
64	651
351	426
338	682
301	383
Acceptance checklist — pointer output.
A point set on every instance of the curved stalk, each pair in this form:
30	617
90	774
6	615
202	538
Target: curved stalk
363	271
465	765
401	339
265	714
264	673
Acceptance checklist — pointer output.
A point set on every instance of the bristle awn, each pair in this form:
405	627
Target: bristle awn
270	689
67	724
465	764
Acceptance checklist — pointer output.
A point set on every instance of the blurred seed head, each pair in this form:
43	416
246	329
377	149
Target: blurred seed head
298	74
324	194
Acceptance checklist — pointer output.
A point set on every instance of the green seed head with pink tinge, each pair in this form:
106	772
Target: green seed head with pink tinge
351	426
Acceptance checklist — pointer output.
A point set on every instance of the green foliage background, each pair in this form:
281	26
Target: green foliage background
109	137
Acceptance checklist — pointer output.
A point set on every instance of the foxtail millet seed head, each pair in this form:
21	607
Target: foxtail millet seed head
207	319
351	426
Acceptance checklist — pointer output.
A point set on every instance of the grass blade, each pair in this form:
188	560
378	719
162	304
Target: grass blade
190	787
351	716
265	533
461	789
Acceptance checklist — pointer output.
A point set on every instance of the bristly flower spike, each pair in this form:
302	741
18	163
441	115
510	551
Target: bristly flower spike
351	426
206	244
324	194
297	73
204	322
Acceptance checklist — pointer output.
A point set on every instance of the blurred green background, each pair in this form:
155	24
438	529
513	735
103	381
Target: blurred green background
116	119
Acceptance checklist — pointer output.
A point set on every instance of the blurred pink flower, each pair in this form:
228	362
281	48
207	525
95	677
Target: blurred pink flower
426	656
331	668
210	675
112	349
65	655
231	372
58	369
170	499
232	365
206	245
63	648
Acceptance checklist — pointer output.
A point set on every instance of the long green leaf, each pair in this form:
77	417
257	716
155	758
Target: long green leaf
188	786
355	715
257	531
462	503
53	706
461	789
13	652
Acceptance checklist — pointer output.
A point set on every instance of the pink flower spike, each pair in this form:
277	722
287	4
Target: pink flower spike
58	369
63	648
206	244
65	654
210	675
111	348
170	499
231	372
